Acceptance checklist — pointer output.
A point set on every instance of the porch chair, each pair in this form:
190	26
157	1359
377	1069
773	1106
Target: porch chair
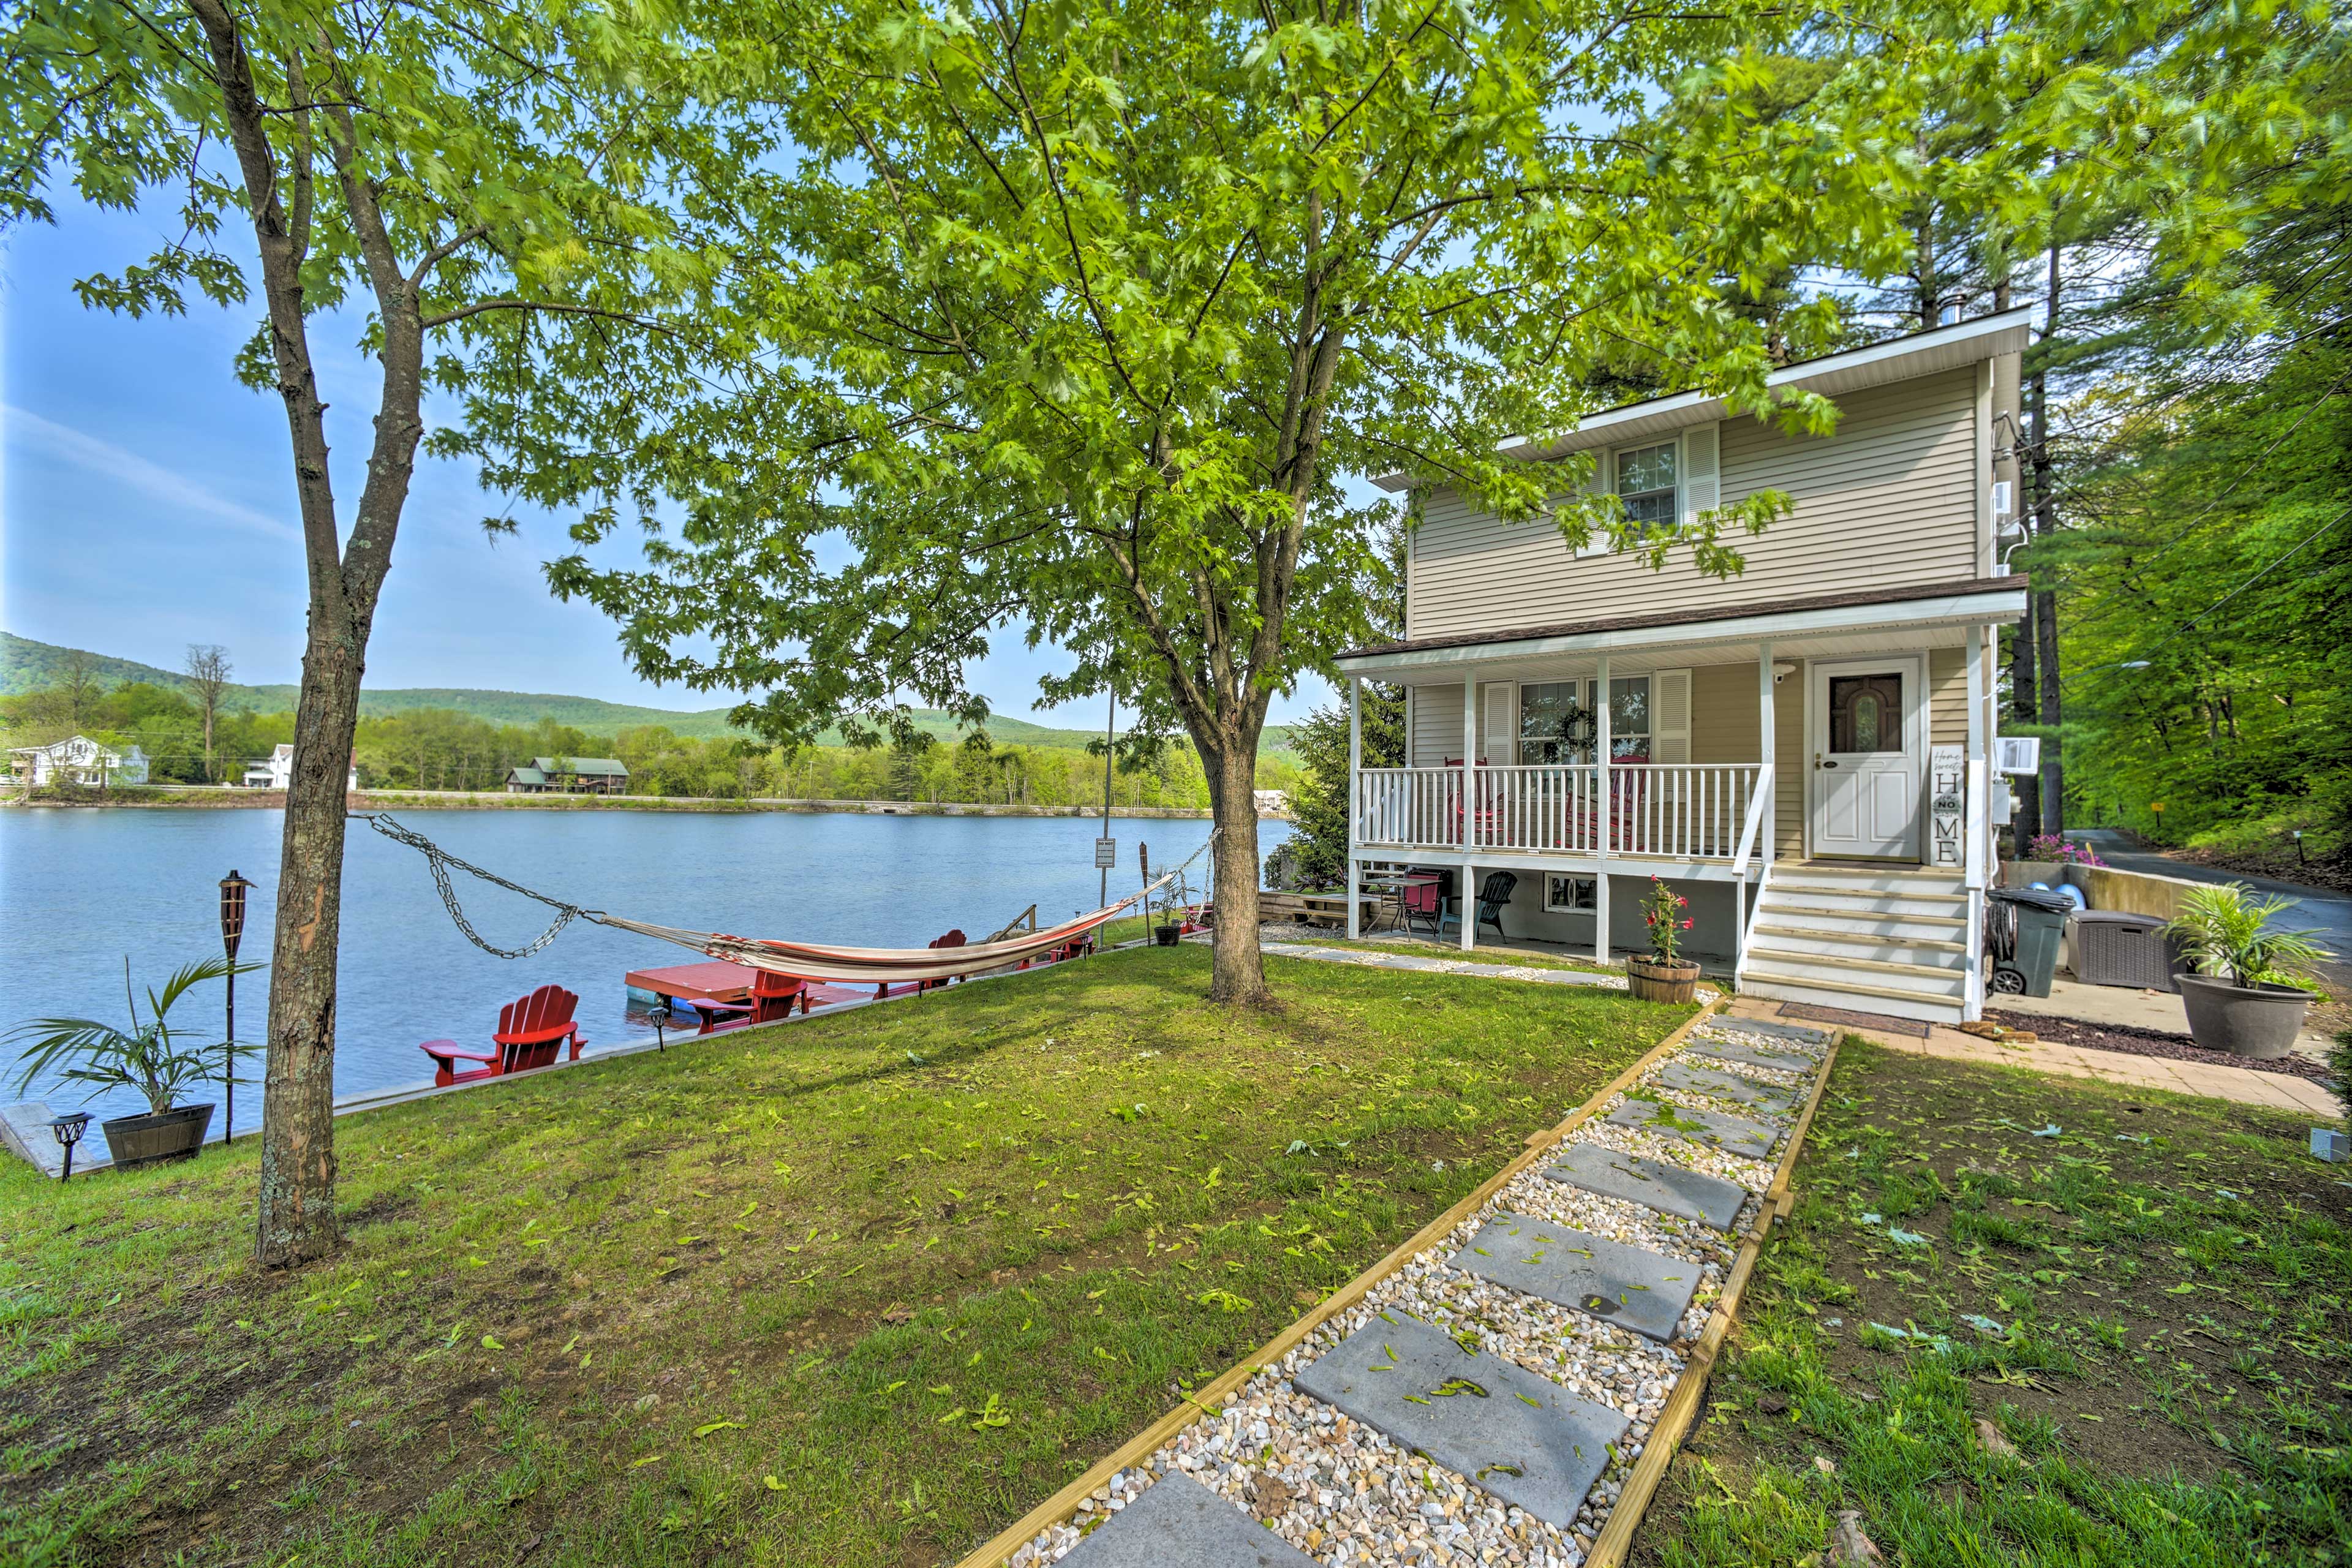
1482	814
772	997
531	1031
952	939
1494	892
1419	900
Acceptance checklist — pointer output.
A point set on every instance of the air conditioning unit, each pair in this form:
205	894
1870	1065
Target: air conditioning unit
2017	754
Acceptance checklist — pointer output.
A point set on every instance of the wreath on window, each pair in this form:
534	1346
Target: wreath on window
1580	727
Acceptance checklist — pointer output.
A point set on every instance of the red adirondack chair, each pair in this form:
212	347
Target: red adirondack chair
952	939
531	1031
772	996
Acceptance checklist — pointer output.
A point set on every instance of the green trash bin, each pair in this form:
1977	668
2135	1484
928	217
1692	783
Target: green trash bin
2022	926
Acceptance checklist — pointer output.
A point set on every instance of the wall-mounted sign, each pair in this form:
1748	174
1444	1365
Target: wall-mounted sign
1946	805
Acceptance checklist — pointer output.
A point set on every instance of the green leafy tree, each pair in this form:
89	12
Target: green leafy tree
1088	312
485	198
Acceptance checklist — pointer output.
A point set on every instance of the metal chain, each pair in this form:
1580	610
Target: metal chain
440	859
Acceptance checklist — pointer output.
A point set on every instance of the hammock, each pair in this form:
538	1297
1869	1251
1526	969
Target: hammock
803	961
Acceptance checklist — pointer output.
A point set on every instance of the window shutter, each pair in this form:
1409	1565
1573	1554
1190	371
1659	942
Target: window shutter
1501	704
1701	472
1604	483
1670	716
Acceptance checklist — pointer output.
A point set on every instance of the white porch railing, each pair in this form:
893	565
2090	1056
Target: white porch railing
1685	811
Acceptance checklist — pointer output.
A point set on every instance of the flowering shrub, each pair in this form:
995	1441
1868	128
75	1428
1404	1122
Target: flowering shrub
1661	911
2065	851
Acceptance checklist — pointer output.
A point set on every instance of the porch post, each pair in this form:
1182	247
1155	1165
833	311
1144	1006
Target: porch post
1770	748
1975	828
1355	794
1604	814
1765	823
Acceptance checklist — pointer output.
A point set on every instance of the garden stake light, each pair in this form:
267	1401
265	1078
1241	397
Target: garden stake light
68	1131
232	923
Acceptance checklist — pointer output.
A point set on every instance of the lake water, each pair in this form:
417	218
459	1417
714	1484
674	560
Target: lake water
81	887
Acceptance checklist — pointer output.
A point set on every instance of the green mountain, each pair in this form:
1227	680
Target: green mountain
28	666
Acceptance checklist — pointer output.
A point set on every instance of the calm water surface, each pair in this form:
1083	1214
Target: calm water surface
80	888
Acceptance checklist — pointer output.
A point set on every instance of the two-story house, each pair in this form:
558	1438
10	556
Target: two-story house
79	760
1801	750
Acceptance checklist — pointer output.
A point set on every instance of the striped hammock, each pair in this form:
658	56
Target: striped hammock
803	961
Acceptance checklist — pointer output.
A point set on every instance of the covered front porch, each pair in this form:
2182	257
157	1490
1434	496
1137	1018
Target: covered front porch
1719	753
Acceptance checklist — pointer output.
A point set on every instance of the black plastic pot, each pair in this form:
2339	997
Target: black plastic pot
1166	935
151	1139
2258	1021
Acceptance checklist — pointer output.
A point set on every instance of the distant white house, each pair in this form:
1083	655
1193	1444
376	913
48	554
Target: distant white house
79	760
275	771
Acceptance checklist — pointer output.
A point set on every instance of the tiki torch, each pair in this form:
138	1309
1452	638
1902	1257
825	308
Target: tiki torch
232	917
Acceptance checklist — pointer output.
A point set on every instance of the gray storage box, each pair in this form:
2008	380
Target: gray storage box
2112	947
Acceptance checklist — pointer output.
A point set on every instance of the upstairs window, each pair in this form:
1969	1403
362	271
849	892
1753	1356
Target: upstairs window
1645	483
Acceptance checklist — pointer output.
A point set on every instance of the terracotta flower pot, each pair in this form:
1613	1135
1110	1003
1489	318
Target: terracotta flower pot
151	1139
2259	1021
1653	979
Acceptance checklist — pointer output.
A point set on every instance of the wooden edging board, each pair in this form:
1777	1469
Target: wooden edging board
1616	1537
1058	1508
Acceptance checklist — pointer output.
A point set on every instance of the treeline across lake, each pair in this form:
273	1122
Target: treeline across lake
438	749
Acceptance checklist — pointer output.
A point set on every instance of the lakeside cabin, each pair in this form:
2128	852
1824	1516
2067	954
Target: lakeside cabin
567	775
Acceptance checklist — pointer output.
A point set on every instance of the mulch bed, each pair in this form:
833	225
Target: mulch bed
1809	1013
2139	1042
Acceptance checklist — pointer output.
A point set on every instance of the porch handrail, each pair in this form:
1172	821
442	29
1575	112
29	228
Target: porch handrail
1752	830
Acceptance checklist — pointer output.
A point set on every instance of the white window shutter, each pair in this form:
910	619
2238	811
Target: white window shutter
1701	472
1670	716
1501	699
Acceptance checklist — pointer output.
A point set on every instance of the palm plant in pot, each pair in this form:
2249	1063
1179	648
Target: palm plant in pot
2250	988
1662	974
151	1058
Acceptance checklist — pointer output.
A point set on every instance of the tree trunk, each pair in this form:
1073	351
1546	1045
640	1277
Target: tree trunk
1238	973
297	1218
2053	770
2042	608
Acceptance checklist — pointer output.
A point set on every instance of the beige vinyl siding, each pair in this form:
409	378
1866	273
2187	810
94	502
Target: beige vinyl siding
1723	713
1788	772
1890	498
1436	724
1947	697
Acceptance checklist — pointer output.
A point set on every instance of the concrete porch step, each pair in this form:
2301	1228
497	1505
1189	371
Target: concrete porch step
1808	939
1823	992
1863	922
1778	893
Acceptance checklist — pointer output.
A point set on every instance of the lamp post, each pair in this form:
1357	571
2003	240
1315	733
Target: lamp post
232	918
68	1131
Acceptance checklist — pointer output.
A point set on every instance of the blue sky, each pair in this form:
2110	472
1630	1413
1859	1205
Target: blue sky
146	502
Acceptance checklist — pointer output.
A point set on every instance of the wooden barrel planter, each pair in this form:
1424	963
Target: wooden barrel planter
1655	979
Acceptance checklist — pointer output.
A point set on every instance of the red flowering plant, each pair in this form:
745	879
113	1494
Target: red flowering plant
1661	911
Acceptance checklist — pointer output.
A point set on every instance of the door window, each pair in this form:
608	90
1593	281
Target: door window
1865	713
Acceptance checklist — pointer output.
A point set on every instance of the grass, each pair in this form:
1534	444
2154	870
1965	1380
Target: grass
2147	1295
1427	947
859	1291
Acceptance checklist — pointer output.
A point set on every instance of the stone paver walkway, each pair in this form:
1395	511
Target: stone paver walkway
2280	1091
1485	1403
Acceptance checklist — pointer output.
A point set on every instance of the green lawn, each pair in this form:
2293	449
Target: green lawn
856	1290
2164	1294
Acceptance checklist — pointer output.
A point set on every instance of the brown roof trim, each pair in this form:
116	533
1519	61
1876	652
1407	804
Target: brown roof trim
1904	595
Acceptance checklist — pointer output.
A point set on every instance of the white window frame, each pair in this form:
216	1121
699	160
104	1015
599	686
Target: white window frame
1673	442
1583	894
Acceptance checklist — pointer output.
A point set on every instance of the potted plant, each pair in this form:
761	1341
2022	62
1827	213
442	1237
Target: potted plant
149	1058
2248	994
1662	974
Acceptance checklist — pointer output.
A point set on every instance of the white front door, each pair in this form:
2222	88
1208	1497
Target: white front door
1869	748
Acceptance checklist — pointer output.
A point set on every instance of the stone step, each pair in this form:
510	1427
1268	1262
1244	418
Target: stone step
1750	1056
1716	1129
1700	1078
1660	1184
1738	1029
1520	1436
1628	1286
1180	1523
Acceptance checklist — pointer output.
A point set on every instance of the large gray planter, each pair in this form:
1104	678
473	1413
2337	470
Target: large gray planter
2258	1021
